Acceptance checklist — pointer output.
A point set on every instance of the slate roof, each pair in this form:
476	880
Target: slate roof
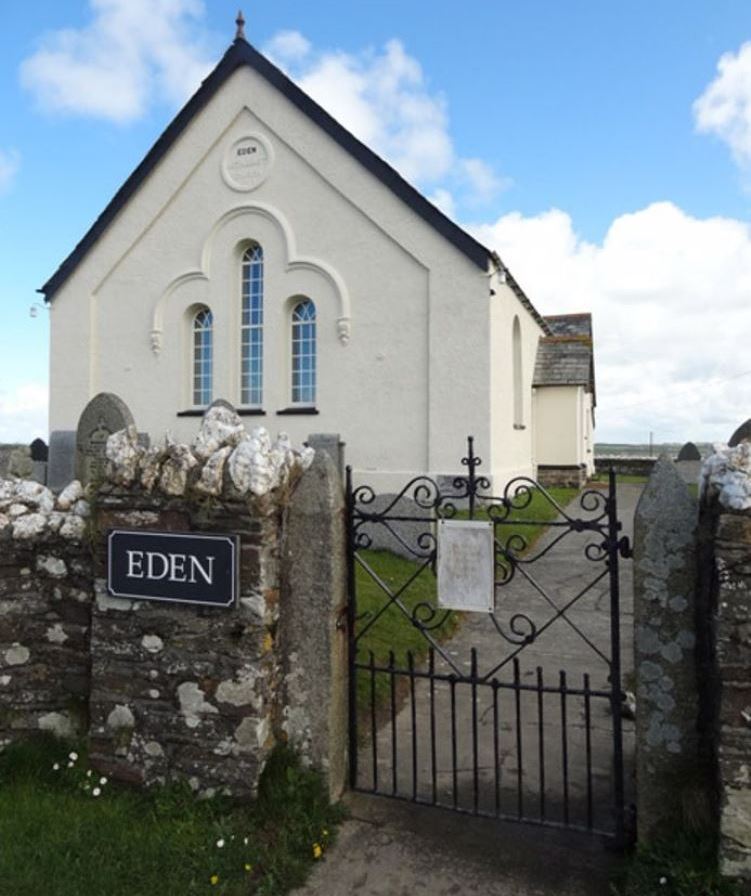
242	53
566	358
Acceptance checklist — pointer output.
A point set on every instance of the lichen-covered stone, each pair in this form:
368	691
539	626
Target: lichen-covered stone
72	492
29	526
178	462
123	453
211	480
727	474
665	533
221	427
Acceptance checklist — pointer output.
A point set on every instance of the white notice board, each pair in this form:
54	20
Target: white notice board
466	565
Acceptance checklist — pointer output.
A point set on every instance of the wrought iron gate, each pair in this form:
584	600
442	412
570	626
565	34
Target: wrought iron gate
456	709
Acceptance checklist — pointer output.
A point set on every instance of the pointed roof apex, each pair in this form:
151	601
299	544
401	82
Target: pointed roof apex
240	22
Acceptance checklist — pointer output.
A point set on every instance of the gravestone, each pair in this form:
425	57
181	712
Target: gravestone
331	443
689	452
742	434
105	414
39	456
39	450
61	466
220	403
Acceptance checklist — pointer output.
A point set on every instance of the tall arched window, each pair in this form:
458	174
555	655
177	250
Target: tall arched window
516	349
251	378
304	353
203	357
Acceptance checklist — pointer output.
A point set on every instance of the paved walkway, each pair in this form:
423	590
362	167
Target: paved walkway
389	848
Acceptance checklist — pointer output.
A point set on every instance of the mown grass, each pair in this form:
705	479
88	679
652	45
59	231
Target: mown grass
680	865
393	630
58	839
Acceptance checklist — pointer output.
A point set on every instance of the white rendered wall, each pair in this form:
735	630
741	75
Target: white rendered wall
512	452
558	430
589	433
413	379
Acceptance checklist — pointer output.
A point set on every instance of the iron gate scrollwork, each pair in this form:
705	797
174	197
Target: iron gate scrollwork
460	713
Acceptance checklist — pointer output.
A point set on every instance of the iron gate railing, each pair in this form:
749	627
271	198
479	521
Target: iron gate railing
436	726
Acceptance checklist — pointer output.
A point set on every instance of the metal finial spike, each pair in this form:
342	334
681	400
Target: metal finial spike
240	22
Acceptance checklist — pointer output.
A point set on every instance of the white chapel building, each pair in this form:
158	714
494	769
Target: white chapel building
262	254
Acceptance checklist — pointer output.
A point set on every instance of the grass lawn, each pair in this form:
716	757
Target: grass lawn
58	839
393	631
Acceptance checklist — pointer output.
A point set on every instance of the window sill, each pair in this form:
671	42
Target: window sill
251	412
300	410
193	412
519	426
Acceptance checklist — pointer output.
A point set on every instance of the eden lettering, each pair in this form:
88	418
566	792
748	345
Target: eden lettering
155	566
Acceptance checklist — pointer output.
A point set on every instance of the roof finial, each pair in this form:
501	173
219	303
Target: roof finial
240	22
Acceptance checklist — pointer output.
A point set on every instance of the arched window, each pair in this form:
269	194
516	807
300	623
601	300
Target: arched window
304	353
516	348
251	378
203	357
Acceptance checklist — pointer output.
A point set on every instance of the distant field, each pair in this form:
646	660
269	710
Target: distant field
612	449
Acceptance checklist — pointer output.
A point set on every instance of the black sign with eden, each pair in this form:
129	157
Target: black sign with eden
172	566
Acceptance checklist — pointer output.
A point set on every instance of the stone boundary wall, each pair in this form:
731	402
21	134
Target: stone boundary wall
627	466
574	476
179	690
167	690
45	609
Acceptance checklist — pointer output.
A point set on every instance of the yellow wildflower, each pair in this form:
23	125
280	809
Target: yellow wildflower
317	851
214	879
248	866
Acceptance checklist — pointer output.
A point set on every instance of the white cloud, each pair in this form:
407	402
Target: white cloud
383	97
287	47
483	183
23	413
443	199
724	108
10	162
669	297
112	68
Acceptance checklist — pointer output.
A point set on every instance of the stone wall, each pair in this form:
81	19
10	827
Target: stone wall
562	476
178	690
727	498
626	466
45	608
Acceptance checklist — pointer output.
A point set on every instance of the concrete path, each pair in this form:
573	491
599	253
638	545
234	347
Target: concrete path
390	847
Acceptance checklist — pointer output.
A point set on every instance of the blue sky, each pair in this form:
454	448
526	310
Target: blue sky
597	146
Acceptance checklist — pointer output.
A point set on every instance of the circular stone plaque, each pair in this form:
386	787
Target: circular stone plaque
247	162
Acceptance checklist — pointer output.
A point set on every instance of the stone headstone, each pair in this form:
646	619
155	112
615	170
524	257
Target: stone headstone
220	403
61	466
104	414
742	434
689	452
39	450
331	443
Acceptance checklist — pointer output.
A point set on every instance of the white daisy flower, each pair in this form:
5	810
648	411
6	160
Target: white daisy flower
96	791
220	843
